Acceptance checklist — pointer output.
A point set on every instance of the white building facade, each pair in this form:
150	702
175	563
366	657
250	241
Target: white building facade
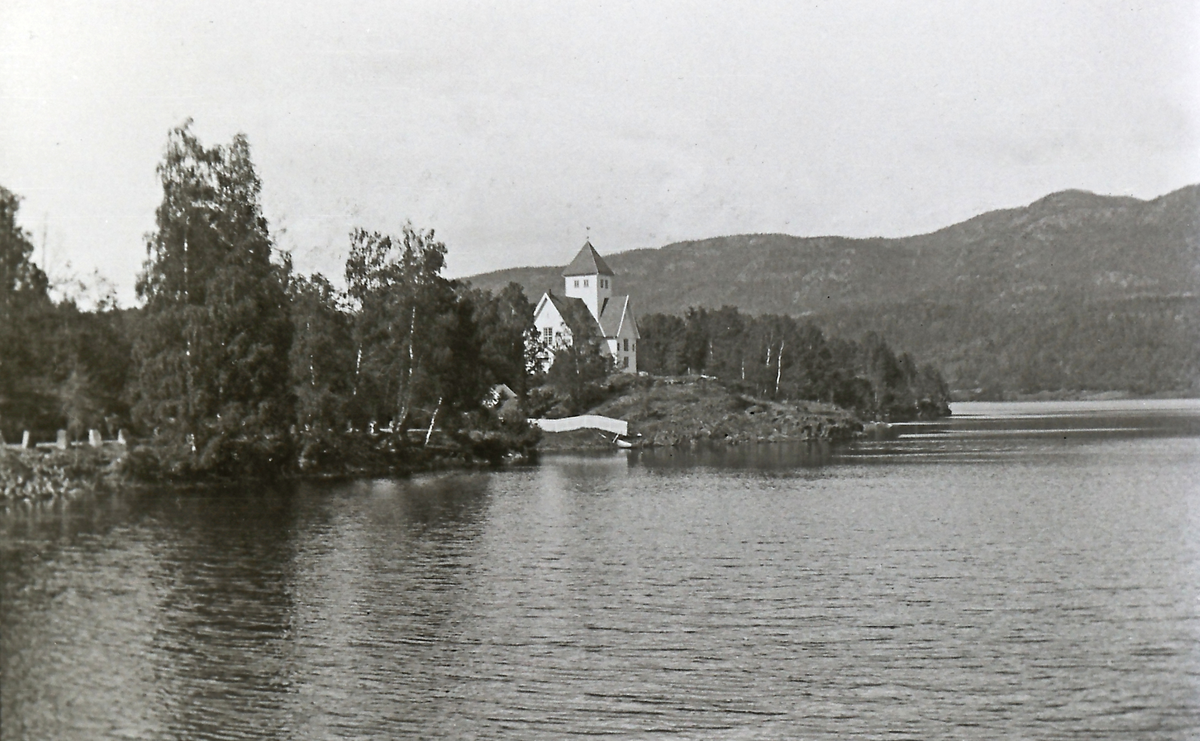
589	306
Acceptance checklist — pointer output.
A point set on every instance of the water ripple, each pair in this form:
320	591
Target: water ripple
1054	594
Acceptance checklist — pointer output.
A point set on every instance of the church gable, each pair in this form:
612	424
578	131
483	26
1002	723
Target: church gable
574	313
562	319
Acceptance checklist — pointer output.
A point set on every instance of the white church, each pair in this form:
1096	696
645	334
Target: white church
588	308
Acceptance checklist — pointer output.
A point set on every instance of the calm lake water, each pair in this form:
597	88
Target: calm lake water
1019	571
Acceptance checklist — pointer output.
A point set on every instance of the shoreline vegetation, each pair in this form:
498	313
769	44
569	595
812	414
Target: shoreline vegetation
235	368
662	412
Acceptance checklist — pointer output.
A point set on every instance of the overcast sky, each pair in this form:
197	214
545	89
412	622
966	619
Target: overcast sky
511	127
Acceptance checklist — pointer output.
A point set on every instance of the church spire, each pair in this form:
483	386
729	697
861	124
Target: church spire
587	262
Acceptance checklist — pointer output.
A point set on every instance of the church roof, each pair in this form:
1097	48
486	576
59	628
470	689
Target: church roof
614	313
576	314
587	262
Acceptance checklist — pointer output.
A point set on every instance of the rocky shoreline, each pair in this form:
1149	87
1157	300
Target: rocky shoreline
684	411
662	413
34	474
45	474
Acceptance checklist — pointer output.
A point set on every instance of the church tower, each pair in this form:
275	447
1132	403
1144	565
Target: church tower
590	279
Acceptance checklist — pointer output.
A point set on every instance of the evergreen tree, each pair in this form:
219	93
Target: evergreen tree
726	334
505	325
212	353
26	399
695	340
661	348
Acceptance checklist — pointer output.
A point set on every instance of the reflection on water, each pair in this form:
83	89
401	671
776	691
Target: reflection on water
1006	430
773	457
1030	584
977	431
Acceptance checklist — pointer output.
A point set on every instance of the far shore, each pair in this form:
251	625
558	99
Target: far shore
960	395
676	415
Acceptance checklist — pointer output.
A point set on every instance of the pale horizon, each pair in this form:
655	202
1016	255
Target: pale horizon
510	130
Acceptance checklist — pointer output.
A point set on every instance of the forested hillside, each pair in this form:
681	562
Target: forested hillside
1075	292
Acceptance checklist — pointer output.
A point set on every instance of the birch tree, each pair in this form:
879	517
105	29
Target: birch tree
212	356
417	352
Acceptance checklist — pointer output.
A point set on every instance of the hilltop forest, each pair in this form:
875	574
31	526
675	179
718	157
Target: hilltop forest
236	365
1073	293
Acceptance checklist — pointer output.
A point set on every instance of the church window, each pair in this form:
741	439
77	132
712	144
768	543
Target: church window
548	334
577	283
626	363
585	285
626	344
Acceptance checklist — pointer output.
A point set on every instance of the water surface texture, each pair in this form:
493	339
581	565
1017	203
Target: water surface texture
1020	571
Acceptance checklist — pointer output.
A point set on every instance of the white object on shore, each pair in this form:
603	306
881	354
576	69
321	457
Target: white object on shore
583	422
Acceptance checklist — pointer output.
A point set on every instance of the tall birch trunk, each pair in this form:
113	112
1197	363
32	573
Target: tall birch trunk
779	368
429	432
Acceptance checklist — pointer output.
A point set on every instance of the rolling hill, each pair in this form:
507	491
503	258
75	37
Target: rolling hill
1074	292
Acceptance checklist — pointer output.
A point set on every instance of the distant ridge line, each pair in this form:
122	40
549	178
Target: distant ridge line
968	294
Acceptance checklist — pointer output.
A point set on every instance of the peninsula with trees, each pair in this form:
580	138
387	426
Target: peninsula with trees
235	365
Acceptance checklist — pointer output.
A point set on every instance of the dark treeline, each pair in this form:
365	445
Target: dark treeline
60	367
1143	345
235	365
780	357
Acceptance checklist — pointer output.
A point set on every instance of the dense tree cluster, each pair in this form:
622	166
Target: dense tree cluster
237	365
59	367
212	349
780	357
